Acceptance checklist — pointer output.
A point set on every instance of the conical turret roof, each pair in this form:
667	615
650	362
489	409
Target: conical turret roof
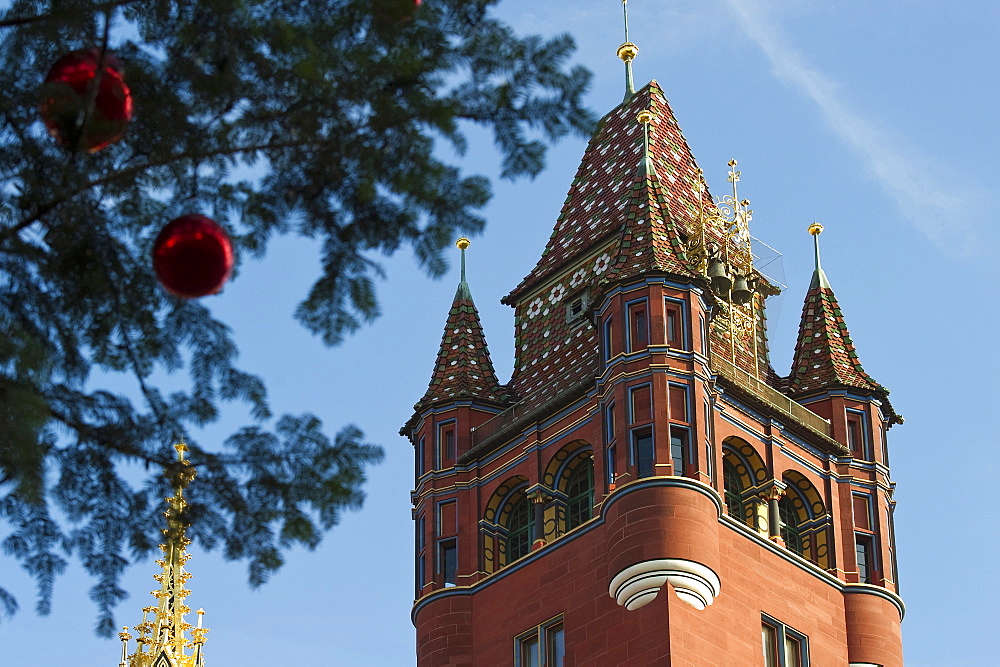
825	356
463	368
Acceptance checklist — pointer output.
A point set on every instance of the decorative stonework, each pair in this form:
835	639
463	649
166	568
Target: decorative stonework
637	585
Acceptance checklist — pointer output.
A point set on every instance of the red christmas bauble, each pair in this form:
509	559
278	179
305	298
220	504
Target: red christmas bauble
67	90
193	256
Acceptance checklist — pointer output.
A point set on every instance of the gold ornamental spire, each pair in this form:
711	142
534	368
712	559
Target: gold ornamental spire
163	638
627	52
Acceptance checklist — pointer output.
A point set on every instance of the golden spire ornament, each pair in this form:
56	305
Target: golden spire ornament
627	52
163	638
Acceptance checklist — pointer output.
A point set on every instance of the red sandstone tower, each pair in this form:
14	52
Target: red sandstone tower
646	490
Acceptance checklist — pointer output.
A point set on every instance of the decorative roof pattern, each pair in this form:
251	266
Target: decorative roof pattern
824	353
464	368
649	239
603	189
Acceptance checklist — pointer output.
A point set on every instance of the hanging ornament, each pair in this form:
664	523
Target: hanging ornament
193	256
67	91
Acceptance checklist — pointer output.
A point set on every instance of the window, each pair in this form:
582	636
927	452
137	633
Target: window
703	329
638	332
420	460
555	646
864	537
448	563
446	445
542	646
421	573
679	449
675	324
609	440
865	555
789	523
857	435
710	444
609	423
576	308
609	339
734	491
642	452
580	490
782	646
520	530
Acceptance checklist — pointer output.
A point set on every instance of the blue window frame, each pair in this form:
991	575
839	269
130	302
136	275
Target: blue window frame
857	435
675	322
448	562
608	339
637	332
447	445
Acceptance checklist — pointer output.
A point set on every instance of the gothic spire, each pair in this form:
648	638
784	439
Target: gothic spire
824	353
463	368
163	639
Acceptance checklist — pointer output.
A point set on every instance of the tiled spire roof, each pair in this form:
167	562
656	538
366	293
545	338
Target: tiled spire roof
649	240
605	185
464	368
824	353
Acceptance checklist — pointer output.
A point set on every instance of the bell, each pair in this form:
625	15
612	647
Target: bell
721	281
741	291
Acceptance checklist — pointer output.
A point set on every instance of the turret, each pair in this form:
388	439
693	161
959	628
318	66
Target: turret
828	378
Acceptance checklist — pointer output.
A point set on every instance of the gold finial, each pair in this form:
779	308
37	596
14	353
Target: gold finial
815	229
628	51
462	244
645	116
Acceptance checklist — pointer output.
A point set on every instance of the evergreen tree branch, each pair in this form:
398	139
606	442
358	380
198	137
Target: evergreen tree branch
130	173
25	20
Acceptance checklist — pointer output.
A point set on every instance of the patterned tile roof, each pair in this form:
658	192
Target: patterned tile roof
824	353
604	188
649	240
464	369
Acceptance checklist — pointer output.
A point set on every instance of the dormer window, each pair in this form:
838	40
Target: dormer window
576	308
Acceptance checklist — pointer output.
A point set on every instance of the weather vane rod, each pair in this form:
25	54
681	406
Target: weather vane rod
627	52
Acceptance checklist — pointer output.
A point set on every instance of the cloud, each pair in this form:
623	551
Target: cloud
948	213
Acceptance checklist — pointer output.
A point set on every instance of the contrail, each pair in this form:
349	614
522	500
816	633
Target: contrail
950	215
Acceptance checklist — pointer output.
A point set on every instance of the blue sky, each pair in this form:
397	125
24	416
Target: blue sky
876	119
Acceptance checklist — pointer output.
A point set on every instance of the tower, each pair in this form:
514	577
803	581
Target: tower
646	489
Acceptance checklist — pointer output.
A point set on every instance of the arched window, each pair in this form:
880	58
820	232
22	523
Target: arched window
734	491
580	489
520	530
789	522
